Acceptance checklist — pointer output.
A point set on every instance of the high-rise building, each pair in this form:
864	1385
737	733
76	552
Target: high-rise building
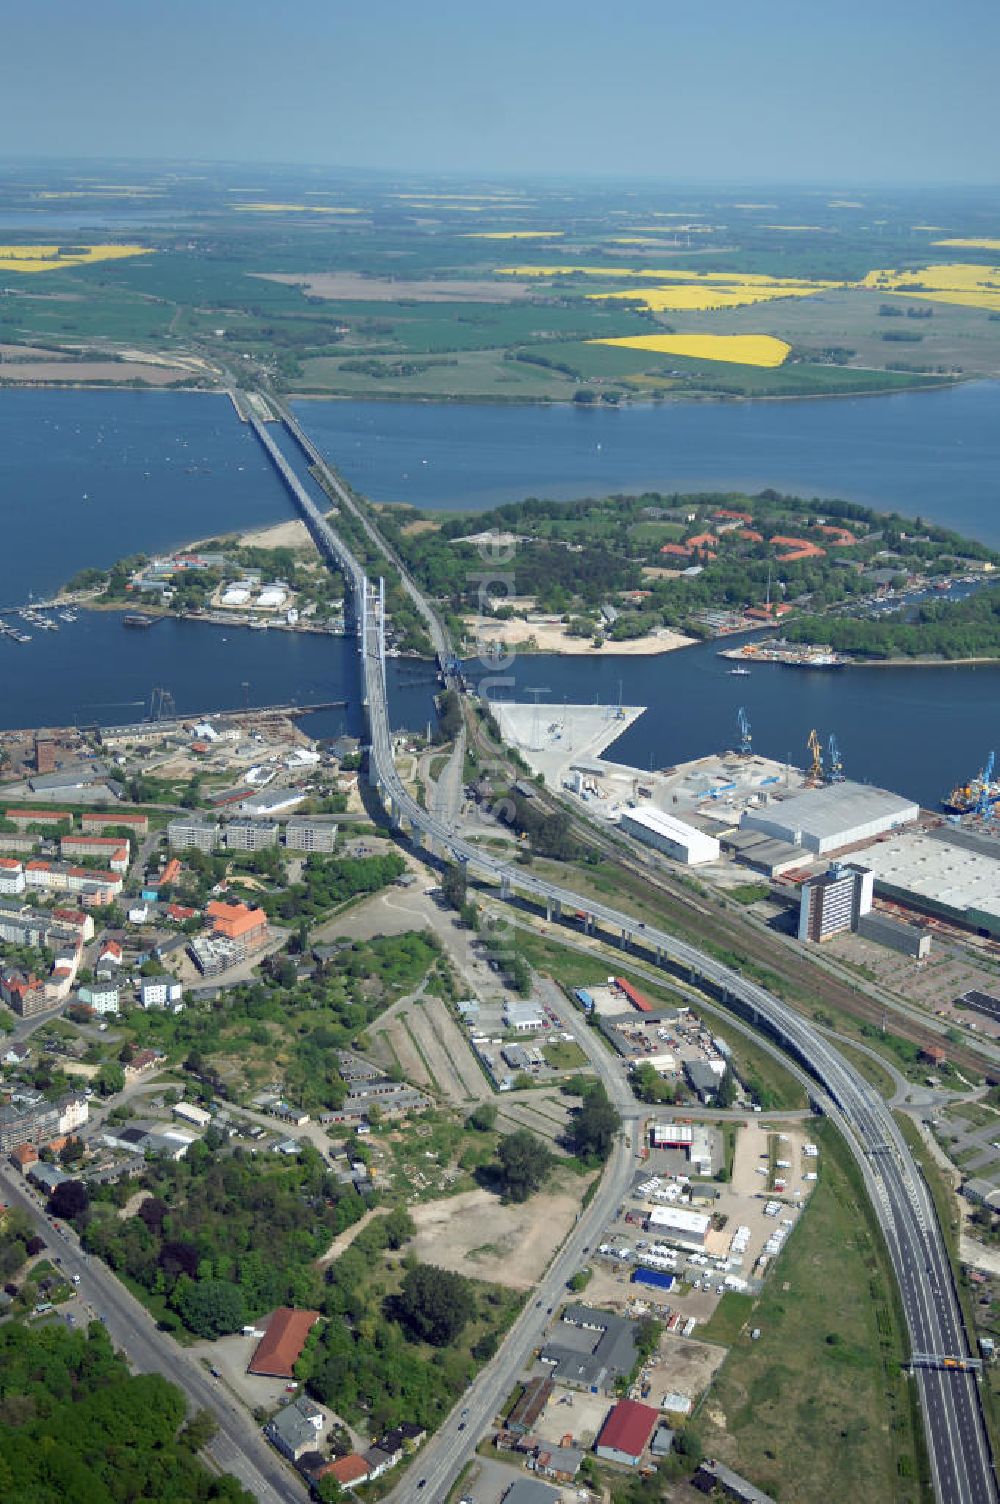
834	902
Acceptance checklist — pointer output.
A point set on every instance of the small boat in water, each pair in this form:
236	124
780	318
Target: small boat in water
137	621
740	673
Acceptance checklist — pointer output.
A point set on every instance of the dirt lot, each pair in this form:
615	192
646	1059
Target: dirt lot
683	1366
358	289
571	1411
474	1234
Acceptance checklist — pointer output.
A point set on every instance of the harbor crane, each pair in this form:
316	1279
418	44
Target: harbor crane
815	747
836	762
985	803
746	736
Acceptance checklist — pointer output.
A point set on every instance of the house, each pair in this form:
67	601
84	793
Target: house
47	1177
626	1432
142	1060
296	1428
16	1053
110	954
346	1470
379	1461
76	920
281	1345
160	992
23	1157
528	1491
11	876
103	997
561	1463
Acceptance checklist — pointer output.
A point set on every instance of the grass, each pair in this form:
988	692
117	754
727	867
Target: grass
817	1408
564	1054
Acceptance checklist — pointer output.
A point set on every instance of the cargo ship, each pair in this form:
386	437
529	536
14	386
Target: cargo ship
966	797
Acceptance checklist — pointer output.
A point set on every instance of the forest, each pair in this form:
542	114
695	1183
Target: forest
76	1425
571	557
225	1236
967	628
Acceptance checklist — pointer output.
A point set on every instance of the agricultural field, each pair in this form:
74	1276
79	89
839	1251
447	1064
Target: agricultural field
335	286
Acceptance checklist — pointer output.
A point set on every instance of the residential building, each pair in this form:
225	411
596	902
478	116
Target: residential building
81	924
23	992
11	876
281	1345
188	1112
23	1157
347	1470
202	835
98	820
159	992
296	1428
251	835
834	902
30	1119
244	926
22	818
626	1433
212	954
311	833
109	848
103	997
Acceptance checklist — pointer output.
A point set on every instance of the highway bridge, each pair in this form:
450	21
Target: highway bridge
958	1445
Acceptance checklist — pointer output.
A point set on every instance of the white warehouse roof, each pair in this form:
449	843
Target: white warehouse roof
653	823
936	869
828	818
679	1220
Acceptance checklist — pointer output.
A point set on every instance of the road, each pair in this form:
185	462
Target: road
959	1449
238	1447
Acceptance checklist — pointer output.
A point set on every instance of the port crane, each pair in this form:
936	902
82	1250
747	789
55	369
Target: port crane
815	747
835	760
984	804
746	736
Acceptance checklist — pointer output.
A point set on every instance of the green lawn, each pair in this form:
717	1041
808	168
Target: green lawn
816	1410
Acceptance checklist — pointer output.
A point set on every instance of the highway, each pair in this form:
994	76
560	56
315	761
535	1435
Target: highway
238	1447
958	1445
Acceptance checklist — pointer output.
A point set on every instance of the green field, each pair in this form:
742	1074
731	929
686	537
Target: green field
817	1409
204	290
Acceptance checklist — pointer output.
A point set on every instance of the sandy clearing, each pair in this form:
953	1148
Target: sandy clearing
292	534
414	529
442	1070
355	288
474	1234
117	371
553	638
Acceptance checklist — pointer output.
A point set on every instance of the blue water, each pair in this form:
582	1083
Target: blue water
88	477
934	453
162	468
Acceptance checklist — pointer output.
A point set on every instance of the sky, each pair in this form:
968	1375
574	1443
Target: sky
846	91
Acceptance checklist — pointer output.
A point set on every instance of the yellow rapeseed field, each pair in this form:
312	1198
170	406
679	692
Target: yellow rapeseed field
984	244
738	349
681	288
969	285
293	209
47	258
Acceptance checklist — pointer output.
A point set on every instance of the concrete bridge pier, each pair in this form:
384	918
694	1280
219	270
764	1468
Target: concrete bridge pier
626	937
553	909
504	886
588	924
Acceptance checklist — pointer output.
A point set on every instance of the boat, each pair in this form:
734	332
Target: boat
136	620
983	789
740	673
67	616
815	660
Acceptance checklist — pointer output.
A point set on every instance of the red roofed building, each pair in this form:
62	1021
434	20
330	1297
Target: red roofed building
748	535
800	548
702	540
22	992
768	612
94	820
23	1156
346	1470
676	550
626	1432
179	912
75	919
281	1346
728	516
840	537
246	927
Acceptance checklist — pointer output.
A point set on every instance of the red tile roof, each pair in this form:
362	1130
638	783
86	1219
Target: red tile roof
701	540
676	550
349	1469
281	1345
749	536
629	1427
733	516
